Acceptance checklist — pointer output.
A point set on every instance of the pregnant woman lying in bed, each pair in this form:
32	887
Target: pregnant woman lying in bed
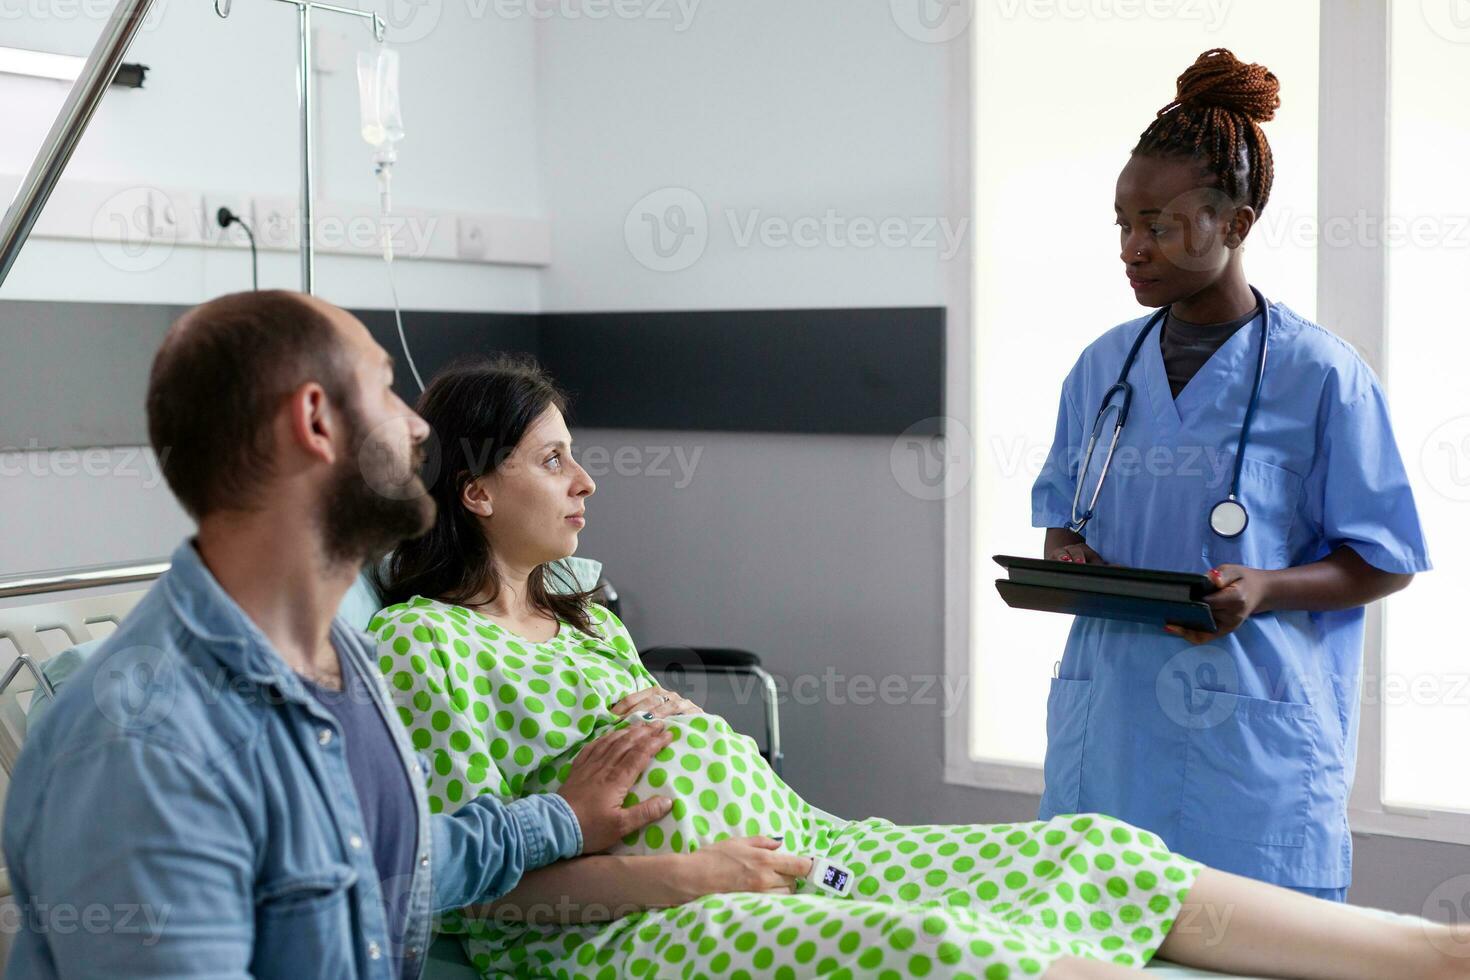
502	679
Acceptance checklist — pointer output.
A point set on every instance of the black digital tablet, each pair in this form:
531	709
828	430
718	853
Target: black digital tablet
1199	586
1136	595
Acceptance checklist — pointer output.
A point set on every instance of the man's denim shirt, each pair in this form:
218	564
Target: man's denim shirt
186	810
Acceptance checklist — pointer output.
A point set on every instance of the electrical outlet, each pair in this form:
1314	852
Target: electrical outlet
163	220
213	234
133	228
277	222
174	216
125	217
471	237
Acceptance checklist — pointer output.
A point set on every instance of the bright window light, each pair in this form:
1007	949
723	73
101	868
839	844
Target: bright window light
1425	688
1060	100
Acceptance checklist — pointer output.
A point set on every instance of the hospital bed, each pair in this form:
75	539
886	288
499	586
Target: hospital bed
50	624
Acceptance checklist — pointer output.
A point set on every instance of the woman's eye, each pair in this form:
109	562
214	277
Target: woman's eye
554	461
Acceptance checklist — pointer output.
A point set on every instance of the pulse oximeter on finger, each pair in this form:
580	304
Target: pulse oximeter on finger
830	878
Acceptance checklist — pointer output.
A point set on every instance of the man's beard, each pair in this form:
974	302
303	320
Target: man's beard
373	502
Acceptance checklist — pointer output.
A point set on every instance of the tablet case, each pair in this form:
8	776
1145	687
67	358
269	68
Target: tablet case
1133	595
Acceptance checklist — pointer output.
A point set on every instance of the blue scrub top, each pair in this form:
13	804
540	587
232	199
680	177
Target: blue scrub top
1239	753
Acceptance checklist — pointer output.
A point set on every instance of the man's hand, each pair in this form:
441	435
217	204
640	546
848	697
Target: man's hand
602	774
740	864
1081	553
1241	593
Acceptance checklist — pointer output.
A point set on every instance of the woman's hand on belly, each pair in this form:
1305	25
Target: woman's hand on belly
740	864
660	702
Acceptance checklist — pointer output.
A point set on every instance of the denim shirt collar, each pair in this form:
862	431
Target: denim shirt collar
206	610
210	613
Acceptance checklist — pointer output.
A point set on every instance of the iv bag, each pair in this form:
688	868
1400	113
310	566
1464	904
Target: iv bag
377	90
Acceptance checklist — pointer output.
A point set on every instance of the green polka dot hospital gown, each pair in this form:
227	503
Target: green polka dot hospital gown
496	713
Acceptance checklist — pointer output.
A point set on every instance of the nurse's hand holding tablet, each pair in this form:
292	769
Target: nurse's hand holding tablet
1268	465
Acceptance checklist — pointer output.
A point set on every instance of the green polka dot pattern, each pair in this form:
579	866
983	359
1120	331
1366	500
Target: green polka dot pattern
496	713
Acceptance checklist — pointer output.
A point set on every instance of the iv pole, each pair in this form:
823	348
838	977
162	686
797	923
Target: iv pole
66	132
86	94
308	142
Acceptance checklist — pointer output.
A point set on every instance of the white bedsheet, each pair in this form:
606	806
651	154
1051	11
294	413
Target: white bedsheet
446	962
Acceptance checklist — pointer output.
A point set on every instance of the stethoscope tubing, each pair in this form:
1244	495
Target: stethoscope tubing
1122	385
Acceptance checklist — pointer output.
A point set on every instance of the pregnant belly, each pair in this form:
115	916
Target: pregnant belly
721	787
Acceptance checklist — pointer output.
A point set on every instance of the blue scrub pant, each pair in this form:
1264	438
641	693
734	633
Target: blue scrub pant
1330	894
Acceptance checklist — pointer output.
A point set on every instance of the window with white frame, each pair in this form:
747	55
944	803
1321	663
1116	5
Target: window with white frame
1046	151
1060	100
1424	687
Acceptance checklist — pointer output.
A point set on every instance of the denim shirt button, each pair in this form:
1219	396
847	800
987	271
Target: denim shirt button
324	736
413	952
356	842
374	951
423	860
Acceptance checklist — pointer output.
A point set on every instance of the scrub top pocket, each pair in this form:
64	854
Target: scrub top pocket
1271	496
1066	732
1248	768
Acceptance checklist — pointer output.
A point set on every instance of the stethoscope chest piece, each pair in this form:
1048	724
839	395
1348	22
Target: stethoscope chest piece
1228	518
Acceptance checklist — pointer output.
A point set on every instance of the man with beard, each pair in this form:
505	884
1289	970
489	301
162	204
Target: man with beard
222	791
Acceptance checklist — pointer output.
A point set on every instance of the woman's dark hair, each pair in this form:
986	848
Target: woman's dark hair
478	411
1215	118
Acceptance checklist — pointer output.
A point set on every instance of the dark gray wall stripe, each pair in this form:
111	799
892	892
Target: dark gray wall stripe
75	374
870	371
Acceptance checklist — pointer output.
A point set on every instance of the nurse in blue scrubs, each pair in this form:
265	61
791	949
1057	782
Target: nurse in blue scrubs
1237	747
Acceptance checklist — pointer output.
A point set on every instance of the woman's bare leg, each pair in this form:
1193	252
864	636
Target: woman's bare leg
1079	968
1238	925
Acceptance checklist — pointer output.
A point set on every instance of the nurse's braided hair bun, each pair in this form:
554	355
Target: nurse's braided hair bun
1215	117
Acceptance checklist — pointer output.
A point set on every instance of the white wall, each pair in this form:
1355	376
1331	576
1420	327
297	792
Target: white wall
805	549
761	109
219	112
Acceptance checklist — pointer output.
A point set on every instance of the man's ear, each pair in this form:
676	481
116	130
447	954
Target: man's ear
476	497
313	423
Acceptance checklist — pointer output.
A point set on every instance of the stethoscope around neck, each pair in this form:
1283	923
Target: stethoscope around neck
1228	518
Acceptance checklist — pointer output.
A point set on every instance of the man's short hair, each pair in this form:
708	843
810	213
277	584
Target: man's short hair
217	383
